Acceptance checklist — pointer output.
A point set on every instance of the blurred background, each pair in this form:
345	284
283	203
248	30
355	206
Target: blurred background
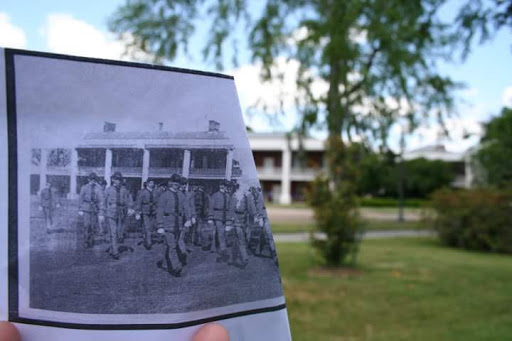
381	131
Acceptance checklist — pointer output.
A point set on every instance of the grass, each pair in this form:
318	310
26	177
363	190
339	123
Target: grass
370	225
406	289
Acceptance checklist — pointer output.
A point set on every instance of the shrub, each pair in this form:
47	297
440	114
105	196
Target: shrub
391	202
479	219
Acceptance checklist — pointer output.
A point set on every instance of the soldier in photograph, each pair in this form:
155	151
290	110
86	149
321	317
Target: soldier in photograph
262	220
91	207
201	205
219	214
145	208
243	207
169	216
103	224
118	204
49	201
191	214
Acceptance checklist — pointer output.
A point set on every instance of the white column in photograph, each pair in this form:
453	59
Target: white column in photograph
73	174
286	197
44	169
229	164
145	166
186	163
108	165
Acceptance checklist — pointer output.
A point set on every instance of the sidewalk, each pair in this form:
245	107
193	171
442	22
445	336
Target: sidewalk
304	236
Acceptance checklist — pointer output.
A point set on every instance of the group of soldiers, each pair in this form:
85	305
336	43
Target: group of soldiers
230	222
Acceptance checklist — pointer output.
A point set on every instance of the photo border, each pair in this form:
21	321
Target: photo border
13	267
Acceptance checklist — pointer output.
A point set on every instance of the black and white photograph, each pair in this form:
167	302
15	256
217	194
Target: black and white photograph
138	200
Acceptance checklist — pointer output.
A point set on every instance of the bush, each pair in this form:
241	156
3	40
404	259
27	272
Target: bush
479	219
391	202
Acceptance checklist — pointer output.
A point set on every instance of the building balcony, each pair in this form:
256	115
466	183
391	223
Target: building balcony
86	170
128	171
269	173
236	172
304	174
207	172
161	172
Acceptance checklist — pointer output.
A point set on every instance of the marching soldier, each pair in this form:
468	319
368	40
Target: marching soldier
145	207
262	220
49	201
91	207
118	203
201	206
219	214
243	207
169	216
190	207
102	225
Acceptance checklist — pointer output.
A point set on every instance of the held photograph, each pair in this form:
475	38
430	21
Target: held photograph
138	200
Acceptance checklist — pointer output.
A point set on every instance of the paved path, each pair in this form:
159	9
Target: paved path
305	215
304	236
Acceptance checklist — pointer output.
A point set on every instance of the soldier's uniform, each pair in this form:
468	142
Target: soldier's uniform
261	215
145	206
220	213
118	202
49	201
91	204
242	208
190	207
201	209
170	213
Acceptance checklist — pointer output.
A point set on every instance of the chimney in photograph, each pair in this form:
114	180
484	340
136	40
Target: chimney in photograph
213	126
160	126
109	127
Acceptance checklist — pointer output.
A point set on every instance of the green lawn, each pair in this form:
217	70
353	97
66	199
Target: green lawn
405	289
370	225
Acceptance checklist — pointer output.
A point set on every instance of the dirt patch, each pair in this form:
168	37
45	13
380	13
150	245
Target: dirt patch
335	272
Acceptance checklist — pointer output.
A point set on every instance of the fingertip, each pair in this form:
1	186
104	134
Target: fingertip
8	332
211	332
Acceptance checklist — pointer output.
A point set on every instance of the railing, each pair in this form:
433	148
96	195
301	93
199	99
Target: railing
128	170
208	172
155	171
84	171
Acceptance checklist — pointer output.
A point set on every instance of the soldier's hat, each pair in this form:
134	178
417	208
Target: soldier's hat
175	178
184	180
93	176
117	176
103	182
225	183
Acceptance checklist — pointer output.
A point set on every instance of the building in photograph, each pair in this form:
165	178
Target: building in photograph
138	156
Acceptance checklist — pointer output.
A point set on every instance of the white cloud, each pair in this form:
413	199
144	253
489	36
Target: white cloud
66	34
11	35
507	96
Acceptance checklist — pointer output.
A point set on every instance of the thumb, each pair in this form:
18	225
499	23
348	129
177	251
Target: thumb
210	332
8	332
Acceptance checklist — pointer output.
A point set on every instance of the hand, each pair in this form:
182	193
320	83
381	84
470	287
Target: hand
211	332
160	230
101	219
130	211
80	213
194	221
137	216
9	332
256	220
260	222
188	224
210	222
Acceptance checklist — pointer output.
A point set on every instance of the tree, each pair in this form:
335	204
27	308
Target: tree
377	59
494	156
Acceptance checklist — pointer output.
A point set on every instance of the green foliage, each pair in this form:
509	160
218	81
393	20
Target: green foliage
494	157
478	219
391	202
335	207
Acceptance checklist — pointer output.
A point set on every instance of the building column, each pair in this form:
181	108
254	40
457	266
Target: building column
44	169
185	171
108	165
286	184
229	164
468	170
145	166
73	174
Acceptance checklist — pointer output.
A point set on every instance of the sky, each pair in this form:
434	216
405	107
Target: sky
80	28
